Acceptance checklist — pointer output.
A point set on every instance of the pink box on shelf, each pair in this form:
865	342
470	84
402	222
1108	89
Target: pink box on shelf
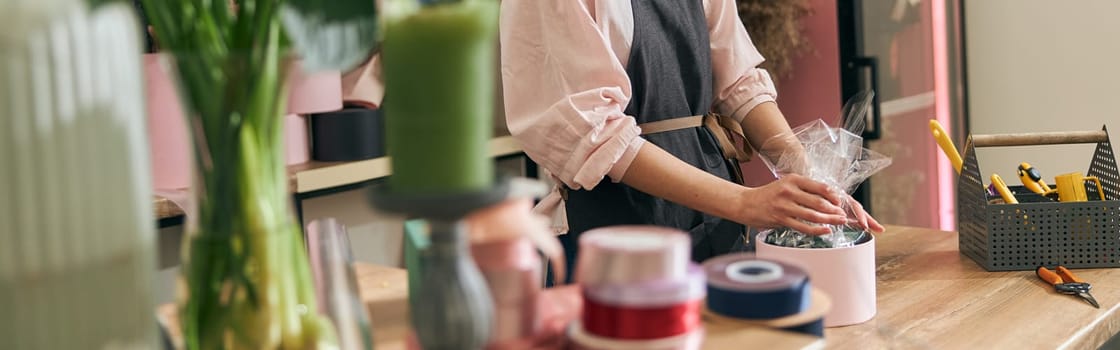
167	129
168	136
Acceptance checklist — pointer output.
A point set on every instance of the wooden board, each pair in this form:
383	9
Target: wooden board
929	297
932	297
384	291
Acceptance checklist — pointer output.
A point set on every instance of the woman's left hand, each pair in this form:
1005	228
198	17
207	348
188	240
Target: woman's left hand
860	218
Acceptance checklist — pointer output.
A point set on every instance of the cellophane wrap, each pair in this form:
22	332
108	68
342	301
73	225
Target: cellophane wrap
834	156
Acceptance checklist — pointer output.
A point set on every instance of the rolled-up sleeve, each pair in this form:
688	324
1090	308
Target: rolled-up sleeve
565	91
739	84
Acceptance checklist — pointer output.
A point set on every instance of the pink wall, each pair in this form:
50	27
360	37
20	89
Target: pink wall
812	90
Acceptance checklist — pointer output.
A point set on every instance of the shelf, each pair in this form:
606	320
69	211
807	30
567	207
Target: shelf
165	208
316	176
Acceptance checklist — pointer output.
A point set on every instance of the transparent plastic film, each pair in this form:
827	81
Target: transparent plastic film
834	156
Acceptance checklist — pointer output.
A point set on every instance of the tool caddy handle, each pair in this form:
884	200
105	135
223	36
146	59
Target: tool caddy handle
1039	138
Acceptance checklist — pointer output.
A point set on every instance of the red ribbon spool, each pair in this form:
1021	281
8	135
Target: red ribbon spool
634	323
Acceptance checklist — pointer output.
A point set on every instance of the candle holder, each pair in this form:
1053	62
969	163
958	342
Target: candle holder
452	309
437	59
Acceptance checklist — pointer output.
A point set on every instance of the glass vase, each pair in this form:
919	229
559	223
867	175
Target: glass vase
245	282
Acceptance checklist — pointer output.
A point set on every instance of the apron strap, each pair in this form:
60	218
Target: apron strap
724	129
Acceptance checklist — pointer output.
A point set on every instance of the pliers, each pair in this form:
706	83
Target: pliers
1066	282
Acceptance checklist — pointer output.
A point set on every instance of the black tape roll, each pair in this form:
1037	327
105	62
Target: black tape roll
347	135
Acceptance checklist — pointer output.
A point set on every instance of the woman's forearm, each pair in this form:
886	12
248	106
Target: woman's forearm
793	201
762	128
658	173
763	123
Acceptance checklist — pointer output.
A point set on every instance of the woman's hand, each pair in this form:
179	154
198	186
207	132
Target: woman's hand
794	201
859	218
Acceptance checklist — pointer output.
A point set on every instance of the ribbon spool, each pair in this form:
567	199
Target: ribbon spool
512	270
582	340
622	255
644	311
752	291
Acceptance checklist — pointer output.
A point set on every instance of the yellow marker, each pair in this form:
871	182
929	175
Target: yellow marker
1071	187
946	144
1004	192
1032	180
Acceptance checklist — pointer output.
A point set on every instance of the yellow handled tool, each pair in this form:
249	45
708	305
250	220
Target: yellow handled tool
1032	180
1004	192
946	144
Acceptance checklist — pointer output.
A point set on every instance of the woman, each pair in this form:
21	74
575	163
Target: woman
580	76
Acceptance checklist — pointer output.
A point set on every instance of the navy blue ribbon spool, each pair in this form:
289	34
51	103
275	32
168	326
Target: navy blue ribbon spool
809	322
743	287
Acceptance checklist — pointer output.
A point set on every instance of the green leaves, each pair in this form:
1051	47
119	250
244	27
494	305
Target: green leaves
331	34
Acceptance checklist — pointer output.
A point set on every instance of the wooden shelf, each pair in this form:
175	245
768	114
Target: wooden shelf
165	208
316	176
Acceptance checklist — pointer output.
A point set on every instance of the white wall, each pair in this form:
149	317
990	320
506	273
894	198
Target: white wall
1037	65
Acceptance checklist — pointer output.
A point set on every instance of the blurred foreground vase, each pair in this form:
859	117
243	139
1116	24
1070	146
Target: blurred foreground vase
246	278
76	236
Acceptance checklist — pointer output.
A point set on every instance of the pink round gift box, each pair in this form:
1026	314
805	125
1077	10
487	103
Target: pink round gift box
847	275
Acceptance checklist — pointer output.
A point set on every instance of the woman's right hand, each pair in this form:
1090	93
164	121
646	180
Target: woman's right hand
794	201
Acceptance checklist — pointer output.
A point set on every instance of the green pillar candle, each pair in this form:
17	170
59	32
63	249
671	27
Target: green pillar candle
439	72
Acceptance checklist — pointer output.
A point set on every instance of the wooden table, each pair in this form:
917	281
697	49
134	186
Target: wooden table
929	297
932	297
385	293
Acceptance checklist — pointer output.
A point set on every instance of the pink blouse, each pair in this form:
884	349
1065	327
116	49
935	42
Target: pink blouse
566	87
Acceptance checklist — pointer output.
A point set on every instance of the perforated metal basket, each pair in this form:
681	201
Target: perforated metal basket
1007	237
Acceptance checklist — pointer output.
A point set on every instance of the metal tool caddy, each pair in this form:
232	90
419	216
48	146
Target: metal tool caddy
1037	231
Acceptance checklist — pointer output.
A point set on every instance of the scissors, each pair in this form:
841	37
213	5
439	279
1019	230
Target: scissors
1066	282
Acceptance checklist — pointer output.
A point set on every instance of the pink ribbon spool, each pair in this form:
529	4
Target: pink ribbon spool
621	255
512	270
655	293
504	249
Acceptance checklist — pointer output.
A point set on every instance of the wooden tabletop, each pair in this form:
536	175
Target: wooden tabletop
929	297
932	297
385	293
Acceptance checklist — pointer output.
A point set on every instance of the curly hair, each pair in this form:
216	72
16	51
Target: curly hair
775	27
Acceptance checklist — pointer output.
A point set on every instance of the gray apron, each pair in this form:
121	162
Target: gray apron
670	72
